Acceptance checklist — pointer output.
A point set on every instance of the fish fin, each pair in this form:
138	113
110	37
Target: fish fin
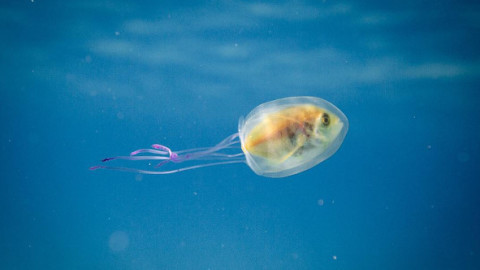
301	139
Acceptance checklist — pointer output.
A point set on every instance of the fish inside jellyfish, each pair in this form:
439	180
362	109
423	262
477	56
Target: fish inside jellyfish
276	139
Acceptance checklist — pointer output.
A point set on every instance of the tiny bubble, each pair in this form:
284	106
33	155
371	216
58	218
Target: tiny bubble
334	257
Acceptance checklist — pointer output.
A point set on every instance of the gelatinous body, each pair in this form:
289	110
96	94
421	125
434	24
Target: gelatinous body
278	139
290	135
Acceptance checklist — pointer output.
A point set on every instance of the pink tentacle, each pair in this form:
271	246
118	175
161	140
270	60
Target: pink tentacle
136	158
166	155
150	151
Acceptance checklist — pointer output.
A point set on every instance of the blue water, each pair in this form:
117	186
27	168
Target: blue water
84	80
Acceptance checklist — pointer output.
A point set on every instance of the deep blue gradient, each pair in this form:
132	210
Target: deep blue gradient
84	80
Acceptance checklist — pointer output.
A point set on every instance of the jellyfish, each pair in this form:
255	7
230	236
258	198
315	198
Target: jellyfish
276	139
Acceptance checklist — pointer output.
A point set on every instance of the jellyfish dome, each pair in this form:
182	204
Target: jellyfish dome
290	135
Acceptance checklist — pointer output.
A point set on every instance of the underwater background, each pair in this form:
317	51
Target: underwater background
85	80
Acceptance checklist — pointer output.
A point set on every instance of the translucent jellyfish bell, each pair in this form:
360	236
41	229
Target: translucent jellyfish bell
277	139
290	135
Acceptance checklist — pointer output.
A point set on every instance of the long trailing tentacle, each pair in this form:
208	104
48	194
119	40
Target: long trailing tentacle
150	151
164	172
166	155
227	143
224	144
136	158
200	153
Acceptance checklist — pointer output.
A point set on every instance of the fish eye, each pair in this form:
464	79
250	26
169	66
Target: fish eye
325	120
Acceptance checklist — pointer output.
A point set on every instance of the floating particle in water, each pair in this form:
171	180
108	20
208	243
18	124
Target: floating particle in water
320	202
118	241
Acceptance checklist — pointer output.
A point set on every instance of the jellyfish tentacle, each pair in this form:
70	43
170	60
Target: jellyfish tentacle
222	156
162	163
225	143
227	155
201	149
198	153
150	151
162	147
166	155
136	158
164	172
